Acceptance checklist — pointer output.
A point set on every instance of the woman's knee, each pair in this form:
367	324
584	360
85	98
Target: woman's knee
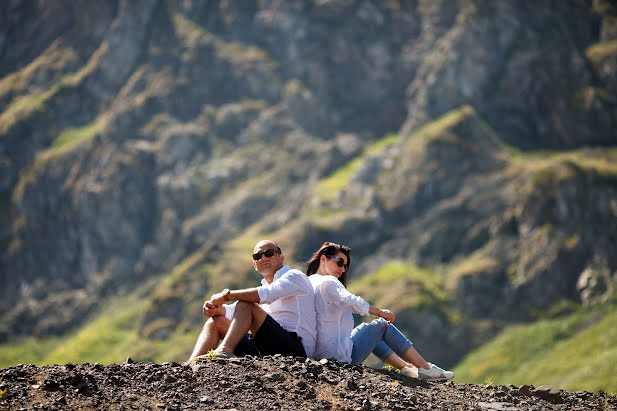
380	323
375	328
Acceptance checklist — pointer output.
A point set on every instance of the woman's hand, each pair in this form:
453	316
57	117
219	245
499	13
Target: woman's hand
387	315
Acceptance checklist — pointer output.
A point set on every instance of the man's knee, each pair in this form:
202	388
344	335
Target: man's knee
218	322
244	307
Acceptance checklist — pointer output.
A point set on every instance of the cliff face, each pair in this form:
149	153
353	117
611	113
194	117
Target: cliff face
137	134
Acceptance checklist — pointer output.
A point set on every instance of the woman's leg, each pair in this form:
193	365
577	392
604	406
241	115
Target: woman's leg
416	359
365	338
395	341
396	361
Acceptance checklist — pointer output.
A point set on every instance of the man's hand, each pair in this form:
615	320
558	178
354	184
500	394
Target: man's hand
387	315
218	299
210	310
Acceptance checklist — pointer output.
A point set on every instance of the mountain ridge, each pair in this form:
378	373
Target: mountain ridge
161	141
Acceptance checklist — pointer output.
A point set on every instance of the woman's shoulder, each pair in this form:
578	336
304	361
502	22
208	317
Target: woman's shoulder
325	282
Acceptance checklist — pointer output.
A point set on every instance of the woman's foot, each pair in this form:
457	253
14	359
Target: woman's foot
410	372
434	373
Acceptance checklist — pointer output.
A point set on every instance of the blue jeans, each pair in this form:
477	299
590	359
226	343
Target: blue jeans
380	338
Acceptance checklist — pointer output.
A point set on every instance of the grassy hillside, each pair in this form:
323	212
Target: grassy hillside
109	338
575	352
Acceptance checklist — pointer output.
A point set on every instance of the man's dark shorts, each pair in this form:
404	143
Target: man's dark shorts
271	339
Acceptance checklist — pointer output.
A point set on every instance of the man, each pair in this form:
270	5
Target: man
280	314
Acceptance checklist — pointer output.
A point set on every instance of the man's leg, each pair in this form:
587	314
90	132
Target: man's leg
247	317
214	330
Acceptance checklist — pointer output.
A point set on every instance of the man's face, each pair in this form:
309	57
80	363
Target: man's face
269	259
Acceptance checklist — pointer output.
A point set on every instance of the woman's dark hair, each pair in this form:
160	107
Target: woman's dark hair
331	249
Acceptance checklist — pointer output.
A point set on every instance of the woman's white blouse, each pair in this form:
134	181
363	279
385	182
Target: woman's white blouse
334	306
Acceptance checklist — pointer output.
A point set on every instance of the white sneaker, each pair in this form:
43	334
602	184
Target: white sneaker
434	373
410	372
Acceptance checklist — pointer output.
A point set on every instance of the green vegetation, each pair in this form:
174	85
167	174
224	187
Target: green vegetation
109	338
24	106
77	135
399	285
474	264
329	187
28	351
573	352
193	35
545	162
438	127
600	51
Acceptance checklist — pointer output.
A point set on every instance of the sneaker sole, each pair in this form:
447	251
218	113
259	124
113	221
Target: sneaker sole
437	379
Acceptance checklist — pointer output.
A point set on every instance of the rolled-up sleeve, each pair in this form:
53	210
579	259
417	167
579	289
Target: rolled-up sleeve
339	296
286	286
229	310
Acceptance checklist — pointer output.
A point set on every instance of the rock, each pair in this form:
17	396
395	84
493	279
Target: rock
275	377
548	393
523	390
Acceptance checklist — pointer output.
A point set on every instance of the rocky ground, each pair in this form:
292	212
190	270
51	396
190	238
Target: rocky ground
264	384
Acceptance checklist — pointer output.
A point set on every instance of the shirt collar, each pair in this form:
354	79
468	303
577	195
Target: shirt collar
277	275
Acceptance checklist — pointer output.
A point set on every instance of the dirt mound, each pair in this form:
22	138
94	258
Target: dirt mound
264	383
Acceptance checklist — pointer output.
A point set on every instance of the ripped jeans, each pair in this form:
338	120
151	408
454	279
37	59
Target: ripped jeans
380	338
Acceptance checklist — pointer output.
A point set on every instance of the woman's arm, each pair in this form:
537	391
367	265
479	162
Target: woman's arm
335	293
385	314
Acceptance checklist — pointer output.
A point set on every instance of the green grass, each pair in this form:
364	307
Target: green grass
114	335
109	338
193	35
600	51
75	136
547	162
28	351
23	107
576	352
399	285
329	187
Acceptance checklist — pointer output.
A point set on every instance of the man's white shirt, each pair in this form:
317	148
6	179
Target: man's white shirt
290	301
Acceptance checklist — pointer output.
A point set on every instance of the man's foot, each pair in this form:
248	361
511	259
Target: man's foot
434	373
410	372
213	355
223	354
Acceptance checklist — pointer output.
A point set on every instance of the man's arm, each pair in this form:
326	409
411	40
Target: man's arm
291	283
248	294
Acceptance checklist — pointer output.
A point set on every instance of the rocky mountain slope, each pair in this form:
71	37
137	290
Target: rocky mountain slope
282	383
152	143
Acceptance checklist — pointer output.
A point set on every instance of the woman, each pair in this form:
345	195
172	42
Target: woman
337	339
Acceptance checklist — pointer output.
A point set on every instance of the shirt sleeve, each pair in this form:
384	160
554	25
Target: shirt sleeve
292	283
229	310
338	295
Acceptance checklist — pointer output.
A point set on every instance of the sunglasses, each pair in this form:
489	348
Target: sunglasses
268	253
339	260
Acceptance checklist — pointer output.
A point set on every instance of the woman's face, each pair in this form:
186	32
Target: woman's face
334	264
